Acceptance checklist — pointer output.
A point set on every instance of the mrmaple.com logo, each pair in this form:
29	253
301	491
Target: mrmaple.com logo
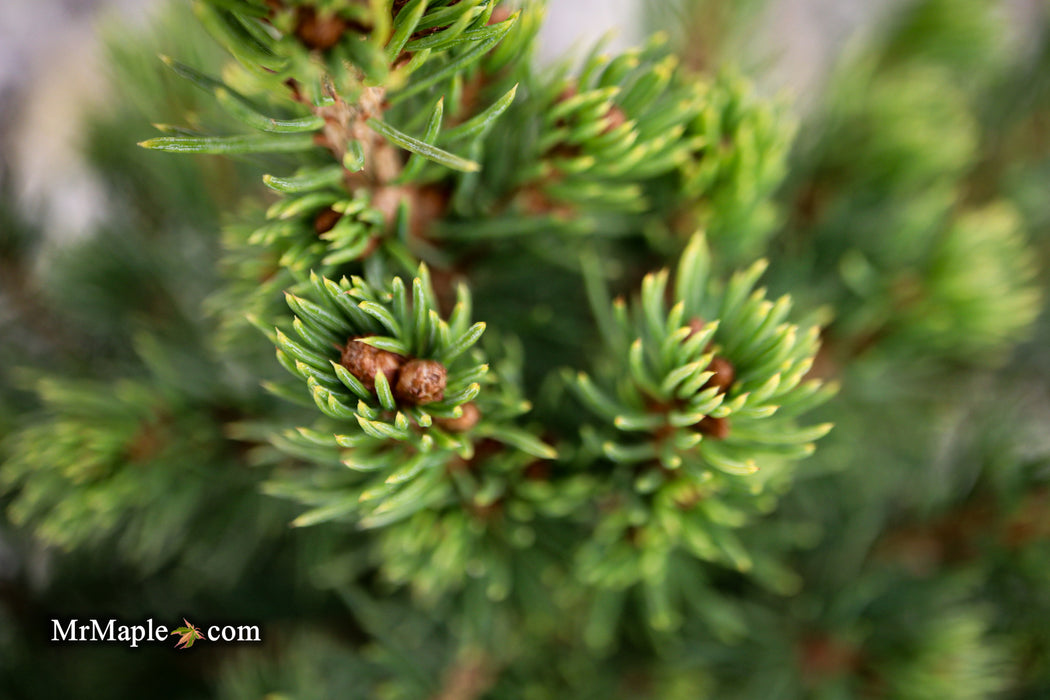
113	631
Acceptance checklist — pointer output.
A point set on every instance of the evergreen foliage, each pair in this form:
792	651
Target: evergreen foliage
492	339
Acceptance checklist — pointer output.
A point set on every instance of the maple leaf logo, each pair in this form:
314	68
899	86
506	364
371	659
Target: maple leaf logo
189	635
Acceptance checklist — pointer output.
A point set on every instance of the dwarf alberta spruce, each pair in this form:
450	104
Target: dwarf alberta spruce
509	348
418	136
381	424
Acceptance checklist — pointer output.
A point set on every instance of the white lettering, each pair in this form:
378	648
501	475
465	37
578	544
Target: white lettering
69	634
100	633
138	633
248	633
134	635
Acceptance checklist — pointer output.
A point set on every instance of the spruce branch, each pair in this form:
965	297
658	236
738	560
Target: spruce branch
362	72
741	368
328	94
123	464
402	390
596	152
697	424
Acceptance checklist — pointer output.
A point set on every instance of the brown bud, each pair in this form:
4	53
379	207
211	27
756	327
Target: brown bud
471	416
567	93
718	428
363	361
500	14
724	371
148	440
318	32
325	221
538	471
421	382
614	118
724	374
